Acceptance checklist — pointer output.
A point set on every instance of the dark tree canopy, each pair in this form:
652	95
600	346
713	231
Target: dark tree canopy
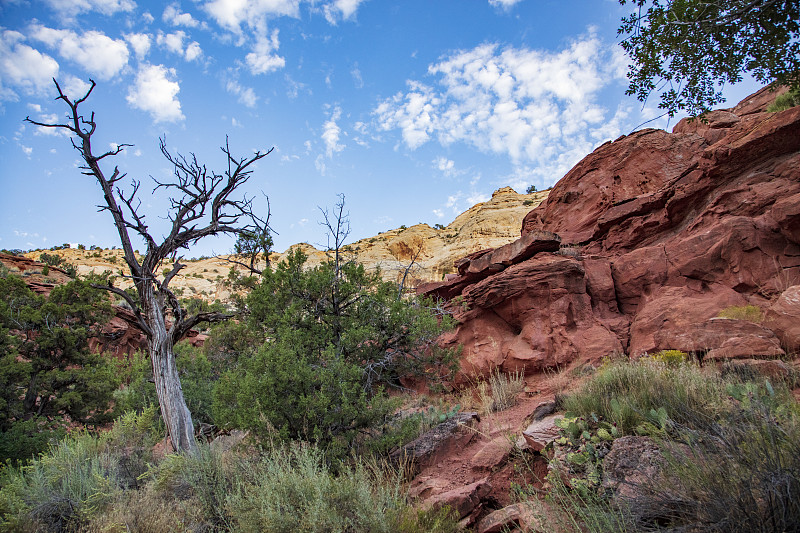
48	376
687	50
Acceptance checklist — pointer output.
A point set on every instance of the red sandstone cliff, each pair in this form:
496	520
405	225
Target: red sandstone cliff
641	245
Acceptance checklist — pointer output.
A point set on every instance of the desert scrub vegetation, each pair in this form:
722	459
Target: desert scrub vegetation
730	444
111	482
785	101
751	313
499	392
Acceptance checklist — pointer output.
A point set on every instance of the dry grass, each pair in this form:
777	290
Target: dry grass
500	391
751	313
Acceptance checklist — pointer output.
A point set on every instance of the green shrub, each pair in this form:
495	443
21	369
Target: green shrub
436	520
751	313
670	358
785	101
329	339
289	488
292	490
740	474
48	376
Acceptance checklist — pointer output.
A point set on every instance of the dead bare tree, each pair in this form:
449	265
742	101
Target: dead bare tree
200	205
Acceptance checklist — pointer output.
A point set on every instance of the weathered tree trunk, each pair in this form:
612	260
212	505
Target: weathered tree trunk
168	384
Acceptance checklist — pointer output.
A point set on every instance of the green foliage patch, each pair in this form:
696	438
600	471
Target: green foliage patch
48	376
330	339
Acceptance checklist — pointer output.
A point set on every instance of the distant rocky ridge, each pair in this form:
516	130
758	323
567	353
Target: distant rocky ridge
489	224
642	246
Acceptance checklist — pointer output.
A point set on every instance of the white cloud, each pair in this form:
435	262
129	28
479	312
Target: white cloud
193	51
331	132
340	8
173	42
27	150
172	14
505	4
294	87
231	14
106	7
476	198
263	59
140	42
444	165
414	113
439	213
245	95
538	108
97	53
50	118
23	67
74	87
154	92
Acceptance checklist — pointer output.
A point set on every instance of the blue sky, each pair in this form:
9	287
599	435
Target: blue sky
414	110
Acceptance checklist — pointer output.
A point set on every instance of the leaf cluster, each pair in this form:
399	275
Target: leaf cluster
48	375
687	50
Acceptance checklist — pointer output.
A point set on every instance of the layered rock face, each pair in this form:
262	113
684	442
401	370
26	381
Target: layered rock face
642	245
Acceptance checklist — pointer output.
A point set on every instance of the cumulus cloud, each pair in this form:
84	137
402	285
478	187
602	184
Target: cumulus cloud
50	118
74	87
173	42
106	7
98	54
193	51
343	9
537	107
156	93
23	68
140	42
263	59
172	15
331	132
231	14
319	164
245	95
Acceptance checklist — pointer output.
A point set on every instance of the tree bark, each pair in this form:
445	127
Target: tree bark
174	411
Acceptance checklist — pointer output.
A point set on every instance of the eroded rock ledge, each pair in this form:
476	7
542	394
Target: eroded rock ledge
641	246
